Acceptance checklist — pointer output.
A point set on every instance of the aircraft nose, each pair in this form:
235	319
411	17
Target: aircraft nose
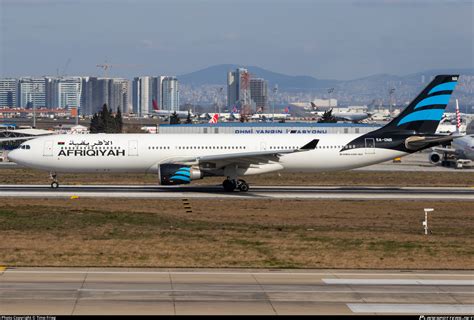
13	156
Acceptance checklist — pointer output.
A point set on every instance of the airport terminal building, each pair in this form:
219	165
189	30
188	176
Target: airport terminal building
268	128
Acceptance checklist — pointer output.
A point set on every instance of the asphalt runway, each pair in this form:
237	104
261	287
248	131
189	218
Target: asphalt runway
270	192
211	291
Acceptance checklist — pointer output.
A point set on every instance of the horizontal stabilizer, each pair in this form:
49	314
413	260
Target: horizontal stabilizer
418	142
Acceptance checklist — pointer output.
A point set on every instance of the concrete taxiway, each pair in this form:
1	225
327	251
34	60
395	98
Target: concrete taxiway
164	291
275	192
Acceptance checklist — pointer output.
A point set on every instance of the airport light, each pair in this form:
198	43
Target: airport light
194	102
390	102
425	223
35	90
330	91
275	91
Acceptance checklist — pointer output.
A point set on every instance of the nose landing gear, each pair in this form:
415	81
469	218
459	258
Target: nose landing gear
55	183
232	184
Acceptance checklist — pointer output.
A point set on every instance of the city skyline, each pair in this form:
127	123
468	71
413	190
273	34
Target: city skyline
323	39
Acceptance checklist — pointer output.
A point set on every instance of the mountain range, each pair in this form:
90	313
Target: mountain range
217	75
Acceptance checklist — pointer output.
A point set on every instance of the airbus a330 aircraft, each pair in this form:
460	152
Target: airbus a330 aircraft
181	158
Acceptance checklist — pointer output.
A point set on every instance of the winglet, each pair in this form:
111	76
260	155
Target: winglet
311	145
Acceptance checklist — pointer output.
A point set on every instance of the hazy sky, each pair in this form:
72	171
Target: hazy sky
339	39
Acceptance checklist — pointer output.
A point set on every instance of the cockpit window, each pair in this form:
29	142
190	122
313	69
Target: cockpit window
25	146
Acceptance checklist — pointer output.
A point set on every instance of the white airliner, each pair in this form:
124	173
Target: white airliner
344	116
181	158
166	114
341	114
270	116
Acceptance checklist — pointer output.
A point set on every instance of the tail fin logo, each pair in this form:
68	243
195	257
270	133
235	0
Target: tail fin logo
458	117
155	105
430	104
215	118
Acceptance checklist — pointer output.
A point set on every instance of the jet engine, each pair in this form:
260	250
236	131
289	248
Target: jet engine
173	174
435	157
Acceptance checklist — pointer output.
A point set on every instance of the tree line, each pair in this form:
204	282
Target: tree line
106	122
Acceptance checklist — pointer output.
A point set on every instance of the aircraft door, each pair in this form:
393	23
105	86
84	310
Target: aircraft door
263	146
133	148
48	148
369	146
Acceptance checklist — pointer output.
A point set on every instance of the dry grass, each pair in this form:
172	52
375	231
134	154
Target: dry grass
238	233
367	178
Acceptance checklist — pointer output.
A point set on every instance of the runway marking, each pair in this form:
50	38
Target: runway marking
275	291
411	308
31	289
275	273
421	282
268	192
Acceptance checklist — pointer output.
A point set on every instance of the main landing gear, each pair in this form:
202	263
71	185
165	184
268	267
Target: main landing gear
55	183
232	184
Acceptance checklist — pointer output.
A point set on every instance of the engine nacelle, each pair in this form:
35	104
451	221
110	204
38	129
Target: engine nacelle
435	157
173	174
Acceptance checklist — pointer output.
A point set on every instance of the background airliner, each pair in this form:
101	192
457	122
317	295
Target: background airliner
461	148
341	114
166	114
181	158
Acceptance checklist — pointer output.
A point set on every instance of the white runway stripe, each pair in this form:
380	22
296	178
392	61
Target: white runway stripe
400	282
412	308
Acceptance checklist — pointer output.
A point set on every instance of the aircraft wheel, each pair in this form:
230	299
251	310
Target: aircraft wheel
243	186
54	185
229	185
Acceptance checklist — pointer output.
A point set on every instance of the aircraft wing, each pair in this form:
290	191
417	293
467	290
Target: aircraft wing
243	158
18	138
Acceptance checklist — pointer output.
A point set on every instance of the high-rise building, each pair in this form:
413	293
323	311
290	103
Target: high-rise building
63	92
8	92
169	93
145	93
259	93
32	92
92	89
236	87
119	95
115	92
